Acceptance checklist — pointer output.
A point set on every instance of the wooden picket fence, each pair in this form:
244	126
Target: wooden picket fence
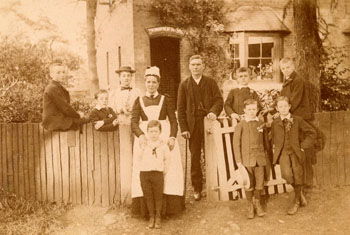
91	167
94	168
332	167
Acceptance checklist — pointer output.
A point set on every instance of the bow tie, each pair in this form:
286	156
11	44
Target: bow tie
125	88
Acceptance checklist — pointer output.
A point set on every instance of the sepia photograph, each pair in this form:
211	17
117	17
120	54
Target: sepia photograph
162	117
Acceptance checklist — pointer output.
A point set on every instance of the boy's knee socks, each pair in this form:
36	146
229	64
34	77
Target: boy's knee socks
249	195
257	194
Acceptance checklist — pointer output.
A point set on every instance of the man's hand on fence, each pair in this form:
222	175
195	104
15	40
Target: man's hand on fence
171	143
211	116
99	124
186	135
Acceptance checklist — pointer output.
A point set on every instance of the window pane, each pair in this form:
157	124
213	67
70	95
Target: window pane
254	50
253	65
266	69
267	49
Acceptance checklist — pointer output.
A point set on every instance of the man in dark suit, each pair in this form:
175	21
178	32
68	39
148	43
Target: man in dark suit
58	114
295	88
198	97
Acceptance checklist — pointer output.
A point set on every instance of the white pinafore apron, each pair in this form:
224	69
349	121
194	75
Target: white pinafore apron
173	179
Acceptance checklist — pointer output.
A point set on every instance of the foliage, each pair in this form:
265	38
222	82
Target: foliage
19	216
202	23
335	80
267	97
23	77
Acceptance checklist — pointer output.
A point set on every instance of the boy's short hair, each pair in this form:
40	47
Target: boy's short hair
282	98
250	101
154	123
286	60
196	57
98	93
56	62
243	70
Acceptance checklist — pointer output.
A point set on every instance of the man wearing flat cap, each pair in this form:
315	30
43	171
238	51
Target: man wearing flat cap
122	98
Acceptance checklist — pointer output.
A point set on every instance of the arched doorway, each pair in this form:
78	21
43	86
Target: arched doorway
165	54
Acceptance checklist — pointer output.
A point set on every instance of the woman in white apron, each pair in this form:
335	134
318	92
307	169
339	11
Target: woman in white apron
154	106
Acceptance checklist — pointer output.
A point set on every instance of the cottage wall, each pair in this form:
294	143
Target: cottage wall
144	19
124	25
115	35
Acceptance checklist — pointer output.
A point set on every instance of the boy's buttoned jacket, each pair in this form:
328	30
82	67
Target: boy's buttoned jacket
58	114
296	90
212	102
298	126
248	144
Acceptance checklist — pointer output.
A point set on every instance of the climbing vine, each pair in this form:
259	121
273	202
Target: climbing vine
202	22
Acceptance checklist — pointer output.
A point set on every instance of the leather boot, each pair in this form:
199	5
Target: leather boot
151	221
296	202
158	222
259	211
249	196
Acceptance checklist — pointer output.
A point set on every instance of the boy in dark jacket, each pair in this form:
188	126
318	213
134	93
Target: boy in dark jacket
104	118
234	104
289	146
296	89
249	152
58	114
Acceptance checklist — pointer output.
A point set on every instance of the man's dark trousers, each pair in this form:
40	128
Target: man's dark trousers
196	144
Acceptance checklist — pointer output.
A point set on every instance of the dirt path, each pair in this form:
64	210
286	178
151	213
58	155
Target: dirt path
327	213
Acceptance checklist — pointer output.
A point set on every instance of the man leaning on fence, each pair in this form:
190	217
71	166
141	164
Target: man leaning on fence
198	97
58	114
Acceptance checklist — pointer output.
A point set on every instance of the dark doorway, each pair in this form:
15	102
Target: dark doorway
165	54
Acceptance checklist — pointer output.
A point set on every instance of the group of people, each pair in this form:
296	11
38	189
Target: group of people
157	177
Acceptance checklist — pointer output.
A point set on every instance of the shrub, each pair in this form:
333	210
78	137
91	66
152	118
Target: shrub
335	80
23	76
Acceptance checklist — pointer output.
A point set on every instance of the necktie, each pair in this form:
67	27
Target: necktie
152	97
125	88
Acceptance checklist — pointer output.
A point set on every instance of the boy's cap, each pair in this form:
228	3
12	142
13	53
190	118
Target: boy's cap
125	69
152	71
242	177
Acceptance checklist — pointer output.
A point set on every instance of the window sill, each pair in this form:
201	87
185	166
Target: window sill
265	85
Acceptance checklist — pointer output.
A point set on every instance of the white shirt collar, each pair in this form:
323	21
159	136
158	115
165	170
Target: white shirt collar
99	107
197	80
241	86
251	119
154	94
286	117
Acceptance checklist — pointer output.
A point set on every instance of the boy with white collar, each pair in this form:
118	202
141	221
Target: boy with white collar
103	117
249	152
234	104
288	148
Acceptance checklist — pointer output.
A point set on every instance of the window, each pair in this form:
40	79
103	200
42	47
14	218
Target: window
258	51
